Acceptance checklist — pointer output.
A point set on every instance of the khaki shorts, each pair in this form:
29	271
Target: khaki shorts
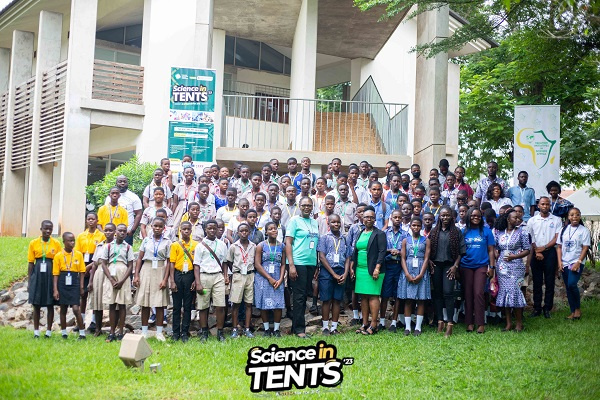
214	287
242	286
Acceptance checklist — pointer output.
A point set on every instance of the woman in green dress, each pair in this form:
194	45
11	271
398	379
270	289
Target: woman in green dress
368	267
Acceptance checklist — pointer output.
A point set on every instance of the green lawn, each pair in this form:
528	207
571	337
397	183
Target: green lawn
552	359
13	259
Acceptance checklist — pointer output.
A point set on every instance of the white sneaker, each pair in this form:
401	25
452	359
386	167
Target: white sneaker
160	337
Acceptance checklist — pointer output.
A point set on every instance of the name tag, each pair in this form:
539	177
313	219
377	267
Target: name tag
186	267
415	262
311	245
113	270
271	268
336	258
154	264
68	280
43	266
86	257
244	269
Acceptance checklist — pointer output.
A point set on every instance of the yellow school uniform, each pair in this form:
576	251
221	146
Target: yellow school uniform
178	256
109	214
63	260
37	248
86	243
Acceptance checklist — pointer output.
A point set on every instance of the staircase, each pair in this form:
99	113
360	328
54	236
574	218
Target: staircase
345	132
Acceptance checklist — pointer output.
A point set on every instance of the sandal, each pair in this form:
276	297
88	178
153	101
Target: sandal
361	329
111	338
369	331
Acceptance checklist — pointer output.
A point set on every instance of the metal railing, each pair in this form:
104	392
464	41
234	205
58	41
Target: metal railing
281	123
389	120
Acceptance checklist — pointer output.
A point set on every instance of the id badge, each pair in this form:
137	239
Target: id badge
271	268
68	280
43	266
186	267
154	264
113	270
336	258
415	263
311	245
244	269
86	257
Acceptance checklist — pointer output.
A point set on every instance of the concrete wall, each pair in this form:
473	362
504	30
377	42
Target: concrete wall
106	140
246	131
453	108
262	78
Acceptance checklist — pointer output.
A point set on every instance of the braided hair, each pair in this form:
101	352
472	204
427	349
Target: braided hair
454	236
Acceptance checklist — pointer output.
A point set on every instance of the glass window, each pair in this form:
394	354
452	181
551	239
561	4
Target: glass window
247	53
133	35
270	59
287	66
104	54
229	49
128	58
116	35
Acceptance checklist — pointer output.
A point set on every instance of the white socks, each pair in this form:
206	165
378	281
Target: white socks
276	325
159	329
382	321
48	333
266	325
419	322
144	330
326	324
393	323
63	331
355	314
334	325
82	332
36	332
400	317
407	322
94	318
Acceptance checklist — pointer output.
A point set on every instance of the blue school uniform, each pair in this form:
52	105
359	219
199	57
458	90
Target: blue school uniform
265	296
336	251
393	266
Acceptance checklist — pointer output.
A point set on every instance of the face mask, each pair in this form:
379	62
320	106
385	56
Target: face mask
416	174
405	185
329	183
186	165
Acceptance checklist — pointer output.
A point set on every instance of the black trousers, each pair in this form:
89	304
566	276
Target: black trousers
301	287
183	297
443	291
544	273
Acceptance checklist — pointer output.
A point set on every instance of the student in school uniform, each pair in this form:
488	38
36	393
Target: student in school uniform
112	212
262	216
323	218
96	285
182	281
86	243
157	181
255	236
269	262
152	276
207	209
40	257
150	212
234	222
221	193
68	269
210	272
117	264
290	207
345	208
240	258
335	267
184	193
319	197
193	217
272	197
230	209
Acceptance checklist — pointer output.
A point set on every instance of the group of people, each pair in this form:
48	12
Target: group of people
272	240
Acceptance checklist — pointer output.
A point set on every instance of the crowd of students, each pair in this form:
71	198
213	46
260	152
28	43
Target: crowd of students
272	241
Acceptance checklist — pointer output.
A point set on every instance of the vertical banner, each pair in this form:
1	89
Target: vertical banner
192	114
537	145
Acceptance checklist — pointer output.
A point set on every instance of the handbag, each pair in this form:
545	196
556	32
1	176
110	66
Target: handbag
494	286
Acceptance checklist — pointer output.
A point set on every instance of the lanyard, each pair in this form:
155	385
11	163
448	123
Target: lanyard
343	212
253	233
436	210
244	187
186	192
554	205
336	246
112	216
308	226
156	246
71	263
507	237
258	220
415	249
396	238
44	249
185	257
214	249
394	199
574	232
522	190
272	253
320	204
117	252
245	253
288	209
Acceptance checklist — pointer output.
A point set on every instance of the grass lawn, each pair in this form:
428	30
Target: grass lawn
552	359
13	259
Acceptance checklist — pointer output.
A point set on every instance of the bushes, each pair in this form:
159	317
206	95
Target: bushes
139	174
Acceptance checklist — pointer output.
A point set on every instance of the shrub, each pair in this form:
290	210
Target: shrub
140	174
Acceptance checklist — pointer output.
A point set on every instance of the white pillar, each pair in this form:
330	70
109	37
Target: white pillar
452	123
218	64
303	76
13	182
166	37
431	92
40	176
76	136
355	75
4	69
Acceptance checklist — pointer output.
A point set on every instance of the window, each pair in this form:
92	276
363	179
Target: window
128	35
247	53
270	59
256	55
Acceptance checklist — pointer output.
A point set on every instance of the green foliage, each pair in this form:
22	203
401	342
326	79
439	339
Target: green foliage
530	69
140	174
13	259
333	92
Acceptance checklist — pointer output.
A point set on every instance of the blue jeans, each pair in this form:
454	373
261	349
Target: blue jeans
571	278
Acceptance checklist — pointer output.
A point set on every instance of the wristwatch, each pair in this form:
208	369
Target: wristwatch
491	266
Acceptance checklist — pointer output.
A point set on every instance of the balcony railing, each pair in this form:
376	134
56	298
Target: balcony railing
281	123
123	83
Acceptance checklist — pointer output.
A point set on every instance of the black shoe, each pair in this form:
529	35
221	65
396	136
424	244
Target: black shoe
203	336
268	333
314	310
36	336
381	327
92	327
119	337
184	338
326	332
81	337
355	321
547	314
111	338
392	328
65	336
220	336
535	313
175	337
277	333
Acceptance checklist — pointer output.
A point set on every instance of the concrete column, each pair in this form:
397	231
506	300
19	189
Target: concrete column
166	37
218	64
4	69
13	182
431	92
453	110
76	136
303	77
40	176
355	76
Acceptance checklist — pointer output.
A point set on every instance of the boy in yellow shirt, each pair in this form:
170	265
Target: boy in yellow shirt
112	212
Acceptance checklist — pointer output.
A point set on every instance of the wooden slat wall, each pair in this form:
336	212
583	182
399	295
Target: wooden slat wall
3	113
118	82
52	112
22	125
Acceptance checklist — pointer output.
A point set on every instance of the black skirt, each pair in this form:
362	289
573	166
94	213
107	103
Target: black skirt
41	285
68	295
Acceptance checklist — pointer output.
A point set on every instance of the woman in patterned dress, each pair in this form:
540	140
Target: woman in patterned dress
512	244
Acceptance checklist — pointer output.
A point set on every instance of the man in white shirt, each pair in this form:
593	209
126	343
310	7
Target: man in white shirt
130	202
544	229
